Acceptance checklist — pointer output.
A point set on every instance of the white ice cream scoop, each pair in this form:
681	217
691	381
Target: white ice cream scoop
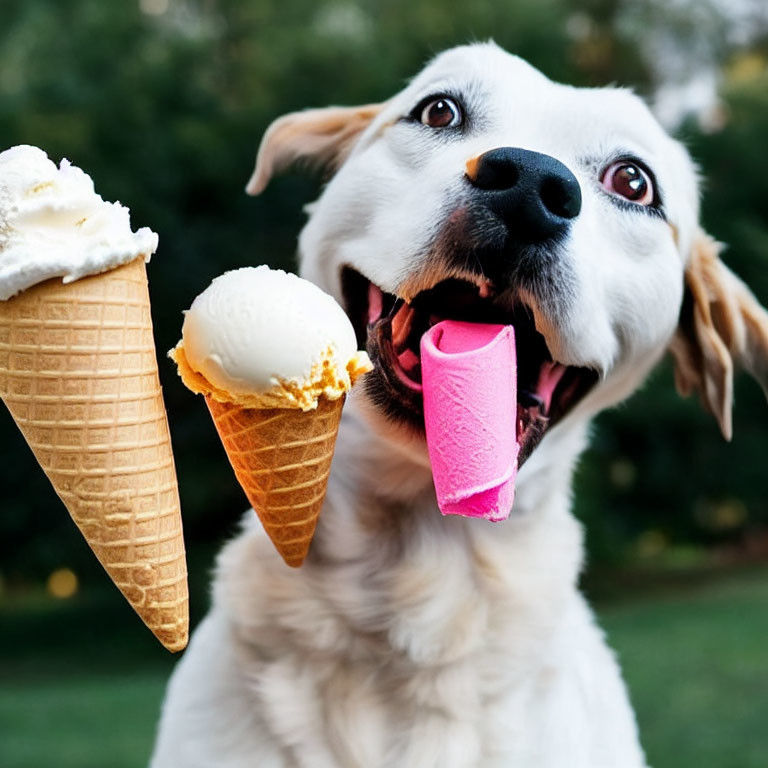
54	224
263	337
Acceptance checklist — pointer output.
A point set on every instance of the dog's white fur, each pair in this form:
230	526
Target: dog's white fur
410	640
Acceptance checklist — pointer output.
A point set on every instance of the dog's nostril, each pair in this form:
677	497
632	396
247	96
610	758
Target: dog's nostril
494	172
561	195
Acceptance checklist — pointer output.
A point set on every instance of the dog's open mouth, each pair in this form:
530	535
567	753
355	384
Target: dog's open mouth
390	329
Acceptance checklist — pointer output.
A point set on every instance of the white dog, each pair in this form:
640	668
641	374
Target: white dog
482	191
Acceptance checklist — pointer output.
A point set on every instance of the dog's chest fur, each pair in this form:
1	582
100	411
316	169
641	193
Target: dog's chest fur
412	640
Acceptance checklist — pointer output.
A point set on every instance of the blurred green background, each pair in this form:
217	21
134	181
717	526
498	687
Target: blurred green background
163	102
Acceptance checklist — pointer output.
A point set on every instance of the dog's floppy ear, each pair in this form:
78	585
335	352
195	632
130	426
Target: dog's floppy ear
721	326
321	137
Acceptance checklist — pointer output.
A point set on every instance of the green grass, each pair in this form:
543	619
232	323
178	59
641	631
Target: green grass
81	682
696	661
103	721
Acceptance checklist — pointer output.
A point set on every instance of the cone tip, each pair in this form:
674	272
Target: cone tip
173	641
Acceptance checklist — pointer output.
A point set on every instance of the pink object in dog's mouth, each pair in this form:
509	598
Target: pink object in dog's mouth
469	380
392	330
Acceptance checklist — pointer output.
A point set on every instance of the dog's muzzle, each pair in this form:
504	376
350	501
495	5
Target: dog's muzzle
503	242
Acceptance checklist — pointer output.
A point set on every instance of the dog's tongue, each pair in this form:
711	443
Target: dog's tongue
469	379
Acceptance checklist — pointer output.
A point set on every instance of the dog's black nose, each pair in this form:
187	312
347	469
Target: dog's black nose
534	194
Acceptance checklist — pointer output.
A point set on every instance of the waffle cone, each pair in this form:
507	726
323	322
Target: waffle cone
282	459
78	373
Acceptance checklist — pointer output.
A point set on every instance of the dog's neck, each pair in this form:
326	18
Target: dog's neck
381	527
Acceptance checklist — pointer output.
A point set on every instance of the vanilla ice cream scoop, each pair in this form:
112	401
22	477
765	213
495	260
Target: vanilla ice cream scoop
53	224
264	338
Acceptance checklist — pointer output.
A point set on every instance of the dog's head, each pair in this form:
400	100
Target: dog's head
486	192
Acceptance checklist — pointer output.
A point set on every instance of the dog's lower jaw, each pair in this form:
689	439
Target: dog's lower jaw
406	639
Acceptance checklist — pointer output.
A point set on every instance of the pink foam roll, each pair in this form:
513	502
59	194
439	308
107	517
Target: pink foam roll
469	377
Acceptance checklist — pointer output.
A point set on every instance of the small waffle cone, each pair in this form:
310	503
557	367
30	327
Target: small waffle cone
282	459
78	373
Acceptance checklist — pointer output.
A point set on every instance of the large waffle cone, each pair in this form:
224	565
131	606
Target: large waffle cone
78	373
282	459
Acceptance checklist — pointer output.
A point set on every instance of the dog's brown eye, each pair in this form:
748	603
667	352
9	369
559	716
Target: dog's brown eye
630	181
441	113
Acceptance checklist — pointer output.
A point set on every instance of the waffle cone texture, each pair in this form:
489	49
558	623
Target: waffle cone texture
282	460
78	372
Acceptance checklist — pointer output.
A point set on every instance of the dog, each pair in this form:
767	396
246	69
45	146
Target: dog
483	191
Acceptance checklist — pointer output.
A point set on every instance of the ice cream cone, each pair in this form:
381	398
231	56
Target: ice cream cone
78	373
274	356
282	459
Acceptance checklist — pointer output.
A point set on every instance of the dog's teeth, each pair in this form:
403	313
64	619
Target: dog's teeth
485	289
375	303
408	360
401	326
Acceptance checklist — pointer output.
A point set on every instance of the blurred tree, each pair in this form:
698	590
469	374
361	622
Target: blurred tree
163	103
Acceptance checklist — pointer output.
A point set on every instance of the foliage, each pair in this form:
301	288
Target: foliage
165	111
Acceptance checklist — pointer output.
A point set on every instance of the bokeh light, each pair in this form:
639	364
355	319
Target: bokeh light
62	583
